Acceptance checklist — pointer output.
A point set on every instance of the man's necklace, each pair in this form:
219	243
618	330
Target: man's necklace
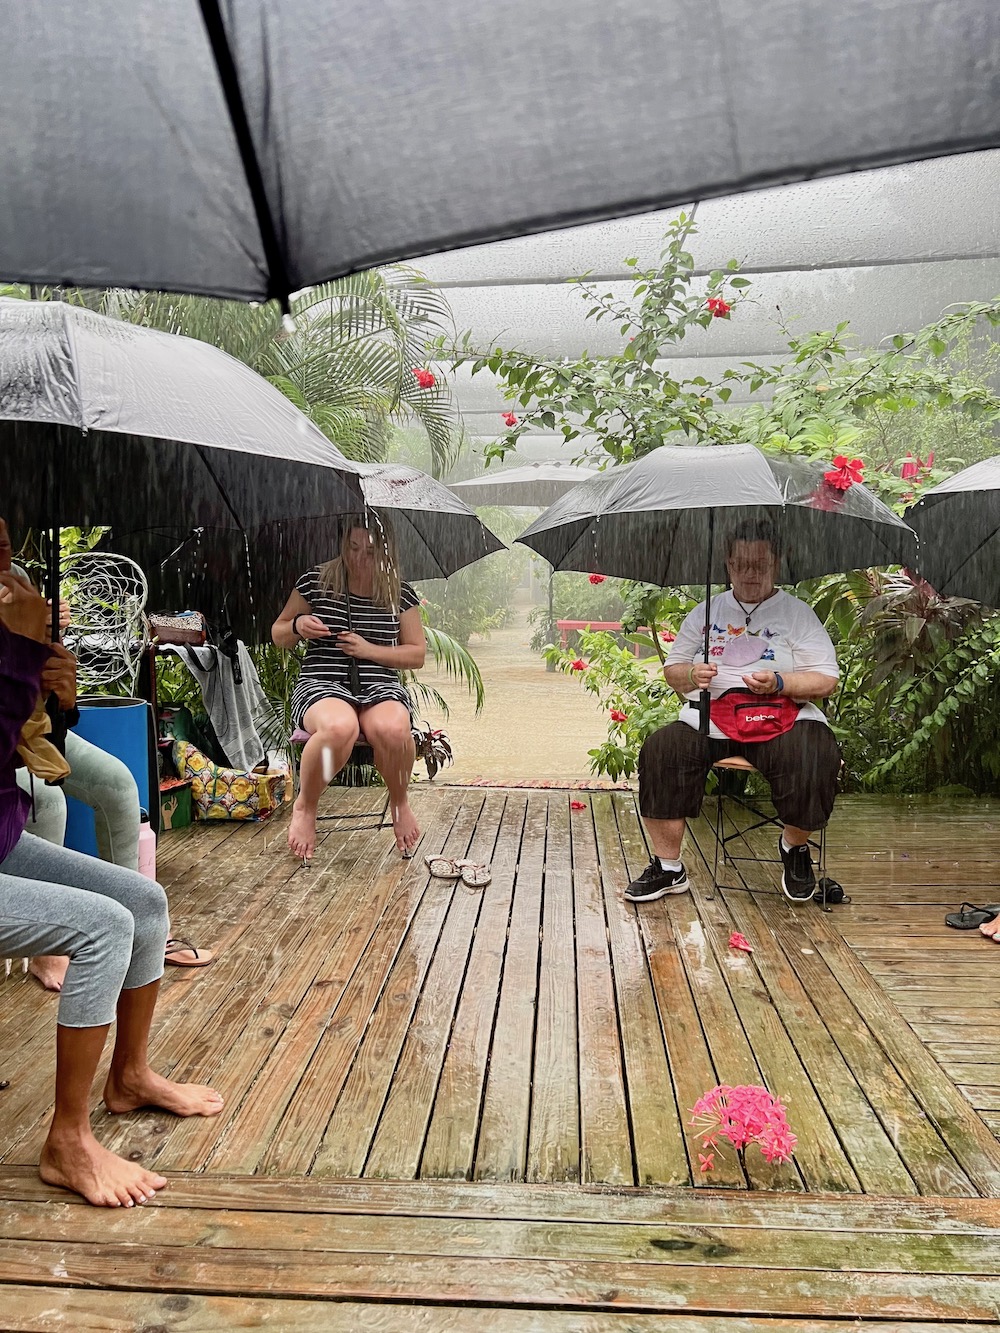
747	614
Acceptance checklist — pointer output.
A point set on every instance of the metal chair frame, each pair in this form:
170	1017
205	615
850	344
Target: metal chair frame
725	791
361	756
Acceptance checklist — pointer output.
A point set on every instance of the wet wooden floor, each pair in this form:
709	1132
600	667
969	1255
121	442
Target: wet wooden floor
439	1099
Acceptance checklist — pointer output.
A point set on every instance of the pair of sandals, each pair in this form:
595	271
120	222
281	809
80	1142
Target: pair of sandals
473	874
971	917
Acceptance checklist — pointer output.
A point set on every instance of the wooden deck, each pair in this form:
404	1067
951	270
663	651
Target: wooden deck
440	1099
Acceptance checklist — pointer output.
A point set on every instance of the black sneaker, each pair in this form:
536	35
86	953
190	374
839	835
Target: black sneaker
655	882
798	880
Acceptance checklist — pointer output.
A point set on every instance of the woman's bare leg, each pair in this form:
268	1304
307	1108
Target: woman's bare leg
334	727
387	730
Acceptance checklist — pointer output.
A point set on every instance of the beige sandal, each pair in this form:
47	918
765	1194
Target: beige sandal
443	867
475	875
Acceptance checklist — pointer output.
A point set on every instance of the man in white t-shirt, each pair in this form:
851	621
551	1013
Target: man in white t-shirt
762	642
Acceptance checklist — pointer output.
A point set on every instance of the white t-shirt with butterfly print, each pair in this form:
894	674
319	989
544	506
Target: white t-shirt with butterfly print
784	635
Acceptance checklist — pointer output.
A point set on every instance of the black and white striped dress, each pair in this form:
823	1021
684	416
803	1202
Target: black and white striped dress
324	672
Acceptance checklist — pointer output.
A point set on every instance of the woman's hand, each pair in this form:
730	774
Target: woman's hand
353	645
761	682
22	609
59	677
701	674
311	627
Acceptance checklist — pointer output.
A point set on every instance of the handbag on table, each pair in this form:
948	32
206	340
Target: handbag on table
187	627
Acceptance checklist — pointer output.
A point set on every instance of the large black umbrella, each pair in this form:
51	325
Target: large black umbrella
533	486
666	519
958	526
251	149
102	422
245	585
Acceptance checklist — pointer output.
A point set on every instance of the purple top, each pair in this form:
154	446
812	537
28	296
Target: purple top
21	662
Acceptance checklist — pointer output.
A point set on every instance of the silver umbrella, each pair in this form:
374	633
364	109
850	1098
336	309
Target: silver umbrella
251	149
533	486
958	525
102	422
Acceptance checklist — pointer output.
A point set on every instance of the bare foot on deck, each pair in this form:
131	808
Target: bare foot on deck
151	1089
302	832
50	970
406	828
991	929
80	1164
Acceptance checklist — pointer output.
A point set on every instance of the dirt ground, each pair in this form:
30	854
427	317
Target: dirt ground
536	725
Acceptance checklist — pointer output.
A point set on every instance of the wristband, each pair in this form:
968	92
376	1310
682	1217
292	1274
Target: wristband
691	676
779	683
294	619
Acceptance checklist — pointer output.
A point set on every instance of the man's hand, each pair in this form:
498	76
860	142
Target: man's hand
761	682
22	610
59	677
701	674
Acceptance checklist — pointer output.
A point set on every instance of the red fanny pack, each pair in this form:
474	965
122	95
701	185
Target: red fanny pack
744	716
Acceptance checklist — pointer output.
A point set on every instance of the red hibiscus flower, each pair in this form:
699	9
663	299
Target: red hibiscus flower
598	578
668	636
720	309
578	665
738	941
425	379
845	472
618	716
577	805
510	419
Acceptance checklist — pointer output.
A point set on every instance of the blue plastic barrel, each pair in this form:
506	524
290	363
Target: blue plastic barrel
124	728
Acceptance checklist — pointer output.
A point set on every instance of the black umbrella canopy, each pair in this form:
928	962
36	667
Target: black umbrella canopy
102	422
958	526
662	519
251	149
532	486
245	584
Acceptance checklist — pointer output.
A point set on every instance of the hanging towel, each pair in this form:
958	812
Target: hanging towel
234	700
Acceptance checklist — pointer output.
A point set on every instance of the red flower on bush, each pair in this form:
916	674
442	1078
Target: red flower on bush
597	578
720	309
913	467
845	472
425	379
510	418
578	665
618	716
668	636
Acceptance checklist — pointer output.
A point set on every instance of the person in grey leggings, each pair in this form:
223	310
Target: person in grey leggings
112	924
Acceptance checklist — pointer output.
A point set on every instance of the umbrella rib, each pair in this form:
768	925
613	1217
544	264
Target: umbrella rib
200	451
277	277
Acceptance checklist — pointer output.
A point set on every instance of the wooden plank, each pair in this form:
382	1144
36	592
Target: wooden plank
41	1309
554	1131
657	1131
625	1284
449	1150
442	929
966	1136
399	1138
606	1145
502	1147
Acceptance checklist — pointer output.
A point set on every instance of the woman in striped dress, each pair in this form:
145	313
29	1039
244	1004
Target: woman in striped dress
386	637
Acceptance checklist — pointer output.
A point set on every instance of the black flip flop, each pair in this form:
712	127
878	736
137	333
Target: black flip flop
973	918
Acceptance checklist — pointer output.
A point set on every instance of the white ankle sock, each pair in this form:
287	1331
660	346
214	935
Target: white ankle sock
668	865
785	845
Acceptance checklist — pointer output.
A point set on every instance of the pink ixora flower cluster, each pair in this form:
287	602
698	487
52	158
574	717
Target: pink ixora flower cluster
743	1115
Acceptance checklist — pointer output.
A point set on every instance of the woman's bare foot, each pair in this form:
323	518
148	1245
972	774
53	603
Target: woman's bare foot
406	828
50	970
302	832
149	1089
79	1163
991	929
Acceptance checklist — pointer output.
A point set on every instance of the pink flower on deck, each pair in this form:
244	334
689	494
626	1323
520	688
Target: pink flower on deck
738	941
578	805
744	1115
706	1161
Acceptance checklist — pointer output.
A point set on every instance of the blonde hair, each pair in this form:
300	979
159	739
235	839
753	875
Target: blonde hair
385	578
